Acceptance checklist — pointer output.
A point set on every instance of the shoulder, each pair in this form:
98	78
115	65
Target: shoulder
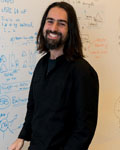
42	60
83	68
40	64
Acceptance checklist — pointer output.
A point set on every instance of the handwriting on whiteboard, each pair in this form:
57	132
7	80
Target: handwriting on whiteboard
7	123
13	101
18	58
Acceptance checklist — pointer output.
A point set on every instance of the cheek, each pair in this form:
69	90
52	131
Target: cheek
65	33
46	27
44	31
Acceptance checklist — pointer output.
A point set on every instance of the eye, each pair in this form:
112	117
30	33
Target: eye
49	21
62	24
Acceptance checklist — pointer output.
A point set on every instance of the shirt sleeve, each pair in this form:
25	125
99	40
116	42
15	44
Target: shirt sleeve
85	109
26	130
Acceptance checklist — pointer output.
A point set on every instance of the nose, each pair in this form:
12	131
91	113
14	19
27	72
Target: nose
54	26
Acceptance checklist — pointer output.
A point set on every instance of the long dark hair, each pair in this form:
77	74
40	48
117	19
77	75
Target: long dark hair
73	46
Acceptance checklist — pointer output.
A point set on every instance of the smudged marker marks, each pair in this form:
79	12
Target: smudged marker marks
117	110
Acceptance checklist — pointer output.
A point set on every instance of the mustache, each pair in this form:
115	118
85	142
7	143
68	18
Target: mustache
54	32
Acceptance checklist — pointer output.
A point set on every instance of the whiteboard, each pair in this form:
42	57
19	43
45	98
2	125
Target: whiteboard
99	22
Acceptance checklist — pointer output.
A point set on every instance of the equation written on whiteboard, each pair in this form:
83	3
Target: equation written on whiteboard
18	58
8	24
91	18
7	1
13	63
11	10
13	101
7	123
88	3
12	87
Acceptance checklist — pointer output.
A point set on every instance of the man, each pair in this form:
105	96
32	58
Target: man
63	98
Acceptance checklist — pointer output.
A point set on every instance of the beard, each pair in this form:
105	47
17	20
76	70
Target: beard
53	43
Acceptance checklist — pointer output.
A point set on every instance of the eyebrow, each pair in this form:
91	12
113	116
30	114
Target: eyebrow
59	20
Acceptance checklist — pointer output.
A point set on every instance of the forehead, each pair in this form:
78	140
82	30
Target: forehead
57	13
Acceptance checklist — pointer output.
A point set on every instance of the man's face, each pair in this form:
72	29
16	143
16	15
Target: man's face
55	30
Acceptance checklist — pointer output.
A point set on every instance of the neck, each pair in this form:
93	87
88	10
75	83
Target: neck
56	53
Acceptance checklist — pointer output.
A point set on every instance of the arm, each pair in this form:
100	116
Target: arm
25	133
26	130
85	108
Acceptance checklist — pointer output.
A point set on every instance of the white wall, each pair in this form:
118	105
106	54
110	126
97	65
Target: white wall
100	31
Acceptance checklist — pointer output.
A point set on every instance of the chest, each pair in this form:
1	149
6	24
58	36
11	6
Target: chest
52	90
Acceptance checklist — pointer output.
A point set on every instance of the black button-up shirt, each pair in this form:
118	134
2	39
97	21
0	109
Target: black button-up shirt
62	106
